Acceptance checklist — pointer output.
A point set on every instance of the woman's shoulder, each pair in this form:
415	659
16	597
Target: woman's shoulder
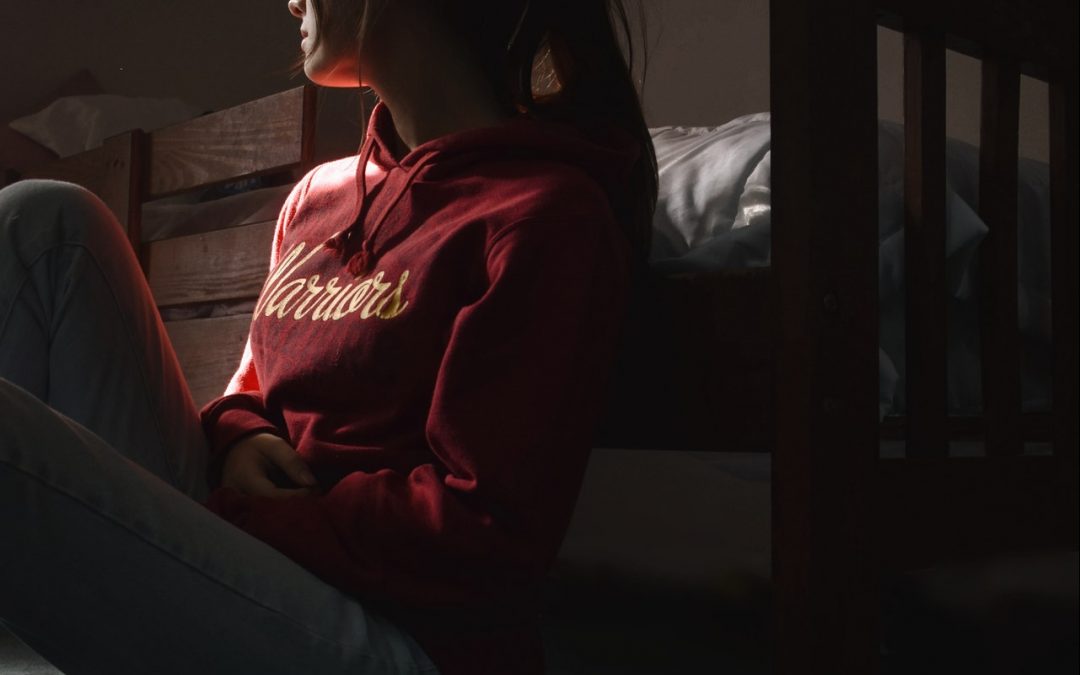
331	173
543	189
324	186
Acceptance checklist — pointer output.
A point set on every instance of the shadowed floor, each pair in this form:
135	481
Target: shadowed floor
1018	615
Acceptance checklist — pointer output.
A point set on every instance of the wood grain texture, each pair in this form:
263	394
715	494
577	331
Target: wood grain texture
926	317
971	428
1064	266
1008	504
1033	33
695	369
824	265
264	135
999	318
209	352
112	172
221	265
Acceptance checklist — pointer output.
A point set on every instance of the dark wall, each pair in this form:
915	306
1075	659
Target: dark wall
212	53
709	60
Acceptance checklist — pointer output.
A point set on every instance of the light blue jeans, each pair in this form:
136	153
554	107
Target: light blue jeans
109	563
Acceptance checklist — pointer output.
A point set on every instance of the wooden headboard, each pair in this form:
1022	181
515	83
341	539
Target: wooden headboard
840	512
271	135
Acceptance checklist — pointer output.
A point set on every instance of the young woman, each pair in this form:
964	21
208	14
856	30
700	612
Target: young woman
391	470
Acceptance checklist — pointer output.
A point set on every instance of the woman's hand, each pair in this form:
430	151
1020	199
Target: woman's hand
251	462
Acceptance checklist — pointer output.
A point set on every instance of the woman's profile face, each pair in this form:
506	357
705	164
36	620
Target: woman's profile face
327	65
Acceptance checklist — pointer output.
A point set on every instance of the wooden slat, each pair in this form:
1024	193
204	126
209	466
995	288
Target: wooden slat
1064	153
221	265
110	171
1034	427
267	208
1033	33
209	352
935	510
924	244
1000	324
269	134
824	263
696	367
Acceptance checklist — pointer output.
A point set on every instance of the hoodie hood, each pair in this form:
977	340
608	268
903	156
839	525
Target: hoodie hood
607	155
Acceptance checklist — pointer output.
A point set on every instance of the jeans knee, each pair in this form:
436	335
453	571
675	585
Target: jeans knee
59	209
35	193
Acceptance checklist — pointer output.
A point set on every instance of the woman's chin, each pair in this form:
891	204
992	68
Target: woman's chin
332	75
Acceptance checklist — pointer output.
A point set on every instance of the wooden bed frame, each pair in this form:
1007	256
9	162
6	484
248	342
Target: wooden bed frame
797	373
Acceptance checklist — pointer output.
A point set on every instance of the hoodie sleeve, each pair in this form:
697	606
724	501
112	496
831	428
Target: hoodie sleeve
239	411
515	404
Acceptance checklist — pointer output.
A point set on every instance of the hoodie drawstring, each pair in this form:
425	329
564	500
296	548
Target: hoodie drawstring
360	262
339	240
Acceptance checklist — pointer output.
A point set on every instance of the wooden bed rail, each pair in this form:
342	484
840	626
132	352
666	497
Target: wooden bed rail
272	134
1065	274
110	171
1000	322
935	510
1053	58
841	515
924	244
269	134
823	98
283	133
696	367
1036	34
1010	39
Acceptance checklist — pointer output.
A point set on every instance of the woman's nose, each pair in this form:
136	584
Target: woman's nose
296	8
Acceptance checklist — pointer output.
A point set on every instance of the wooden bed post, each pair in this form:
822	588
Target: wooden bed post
1064	153
823	57
122	188
1000	334
926	311
112	171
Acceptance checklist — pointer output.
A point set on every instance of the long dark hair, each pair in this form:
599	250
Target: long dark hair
557	60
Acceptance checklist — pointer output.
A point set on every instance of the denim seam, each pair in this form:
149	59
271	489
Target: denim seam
109	517
11	308
173	476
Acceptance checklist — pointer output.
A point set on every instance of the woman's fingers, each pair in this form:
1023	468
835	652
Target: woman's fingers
259	464
247	474
284	456
256	482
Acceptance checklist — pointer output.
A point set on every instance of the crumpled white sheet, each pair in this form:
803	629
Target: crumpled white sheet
714	212
71	124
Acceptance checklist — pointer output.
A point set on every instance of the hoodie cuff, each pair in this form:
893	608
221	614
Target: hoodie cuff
225	425
232	418
235	425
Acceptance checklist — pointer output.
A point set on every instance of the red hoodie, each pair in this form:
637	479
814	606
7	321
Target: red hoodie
435	339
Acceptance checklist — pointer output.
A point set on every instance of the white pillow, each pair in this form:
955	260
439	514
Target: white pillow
72	124
702	174
714	183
